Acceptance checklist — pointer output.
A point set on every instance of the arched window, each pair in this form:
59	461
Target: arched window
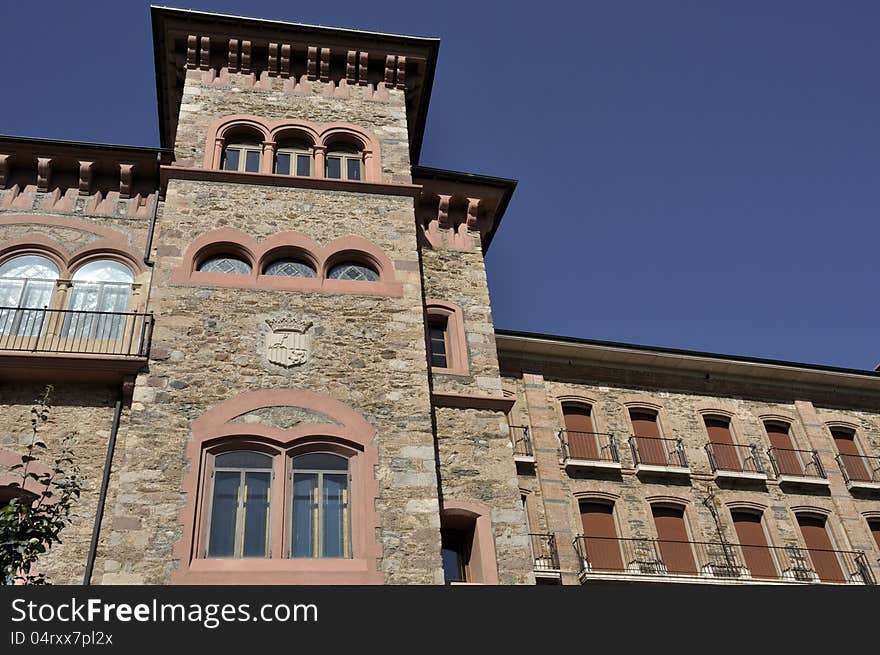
600	546
225	264
99	296
293	157
750	532
673	539
240	505
354	271
344	163
321	521
242	153
25	282
289	267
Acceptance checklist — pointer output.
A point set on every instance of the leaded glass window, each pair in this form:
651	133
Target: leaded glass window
353	271
225	264
321	521
98	301
25	282
240	505
289	268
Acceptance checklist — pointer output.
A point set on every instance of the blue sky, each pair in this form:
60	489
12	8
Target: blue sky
691	174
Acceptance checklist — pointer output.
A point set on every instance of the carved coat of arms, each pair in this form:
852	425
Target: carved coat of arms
289	342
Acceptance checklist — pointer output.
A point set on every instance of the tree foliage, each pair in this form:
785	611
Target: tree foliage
31	522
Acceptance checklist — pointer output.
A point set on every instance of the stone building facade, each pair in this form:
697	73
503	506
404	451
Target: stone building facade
271	340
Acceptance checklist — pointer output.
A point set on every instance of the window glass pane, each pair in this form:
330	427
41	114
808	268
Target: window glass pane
256	514
230	159
31	267
305	514
282	164
335	521
452	554
224	509
104	270
437	343
252	162
304	165
320	462
243	459
289	268
353	169
334	167
352	271
225	264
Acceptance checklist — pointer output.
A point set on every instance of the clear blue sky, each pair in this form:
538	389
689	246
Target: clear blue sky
692	174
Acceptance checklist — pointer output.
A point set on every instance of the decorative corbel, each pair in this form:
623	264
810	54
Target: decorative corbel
443	211
232	57
4	169
390	61
85	177
126	175
312	67
205	53
285	60
191	45
44	169
246	57
350	69
401	72
472	212
325	64
273	59
363	66
128	390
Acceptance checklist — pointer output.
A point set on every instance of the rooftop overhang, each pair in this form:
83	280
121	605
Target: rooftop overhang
828	381
172	28
482	199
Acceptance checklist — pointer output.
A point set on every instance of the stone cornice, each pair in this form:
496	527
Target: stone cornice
185	39
270	179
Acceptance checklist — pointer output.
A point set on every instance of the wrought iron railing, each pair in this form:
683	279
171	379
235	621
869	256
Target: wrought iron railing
545	552
588	446
732	457
796	463
658	452
521	440
719	561
125	334
859	468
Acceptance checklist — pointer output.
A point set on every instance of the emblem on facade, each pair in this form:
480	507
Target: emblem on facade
289	342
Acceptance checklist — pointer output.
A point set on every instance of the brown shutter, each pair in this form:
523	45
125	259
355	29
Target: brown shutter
786	460
850	455
600	535
819	545
651	449
757	555
723	450
675	548
579	431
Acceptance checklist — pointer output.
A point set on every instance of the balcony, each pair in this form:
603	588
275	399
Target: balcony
521	441
859	471
72	345
657	560
800	467
734	462
589	450
659	456
546	555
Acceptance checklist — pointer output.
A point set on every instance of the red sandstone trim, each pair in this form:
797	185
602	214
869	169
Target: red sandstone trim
8	459
292	181
258	254
214	430
472	401
456	353
486	569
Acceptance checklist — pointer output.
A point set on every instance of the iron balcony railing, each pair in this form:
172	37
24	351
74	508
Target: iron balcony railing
521	440
859	468
731	457
589	446
655	451
796	463
720	561
545	552
123	334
